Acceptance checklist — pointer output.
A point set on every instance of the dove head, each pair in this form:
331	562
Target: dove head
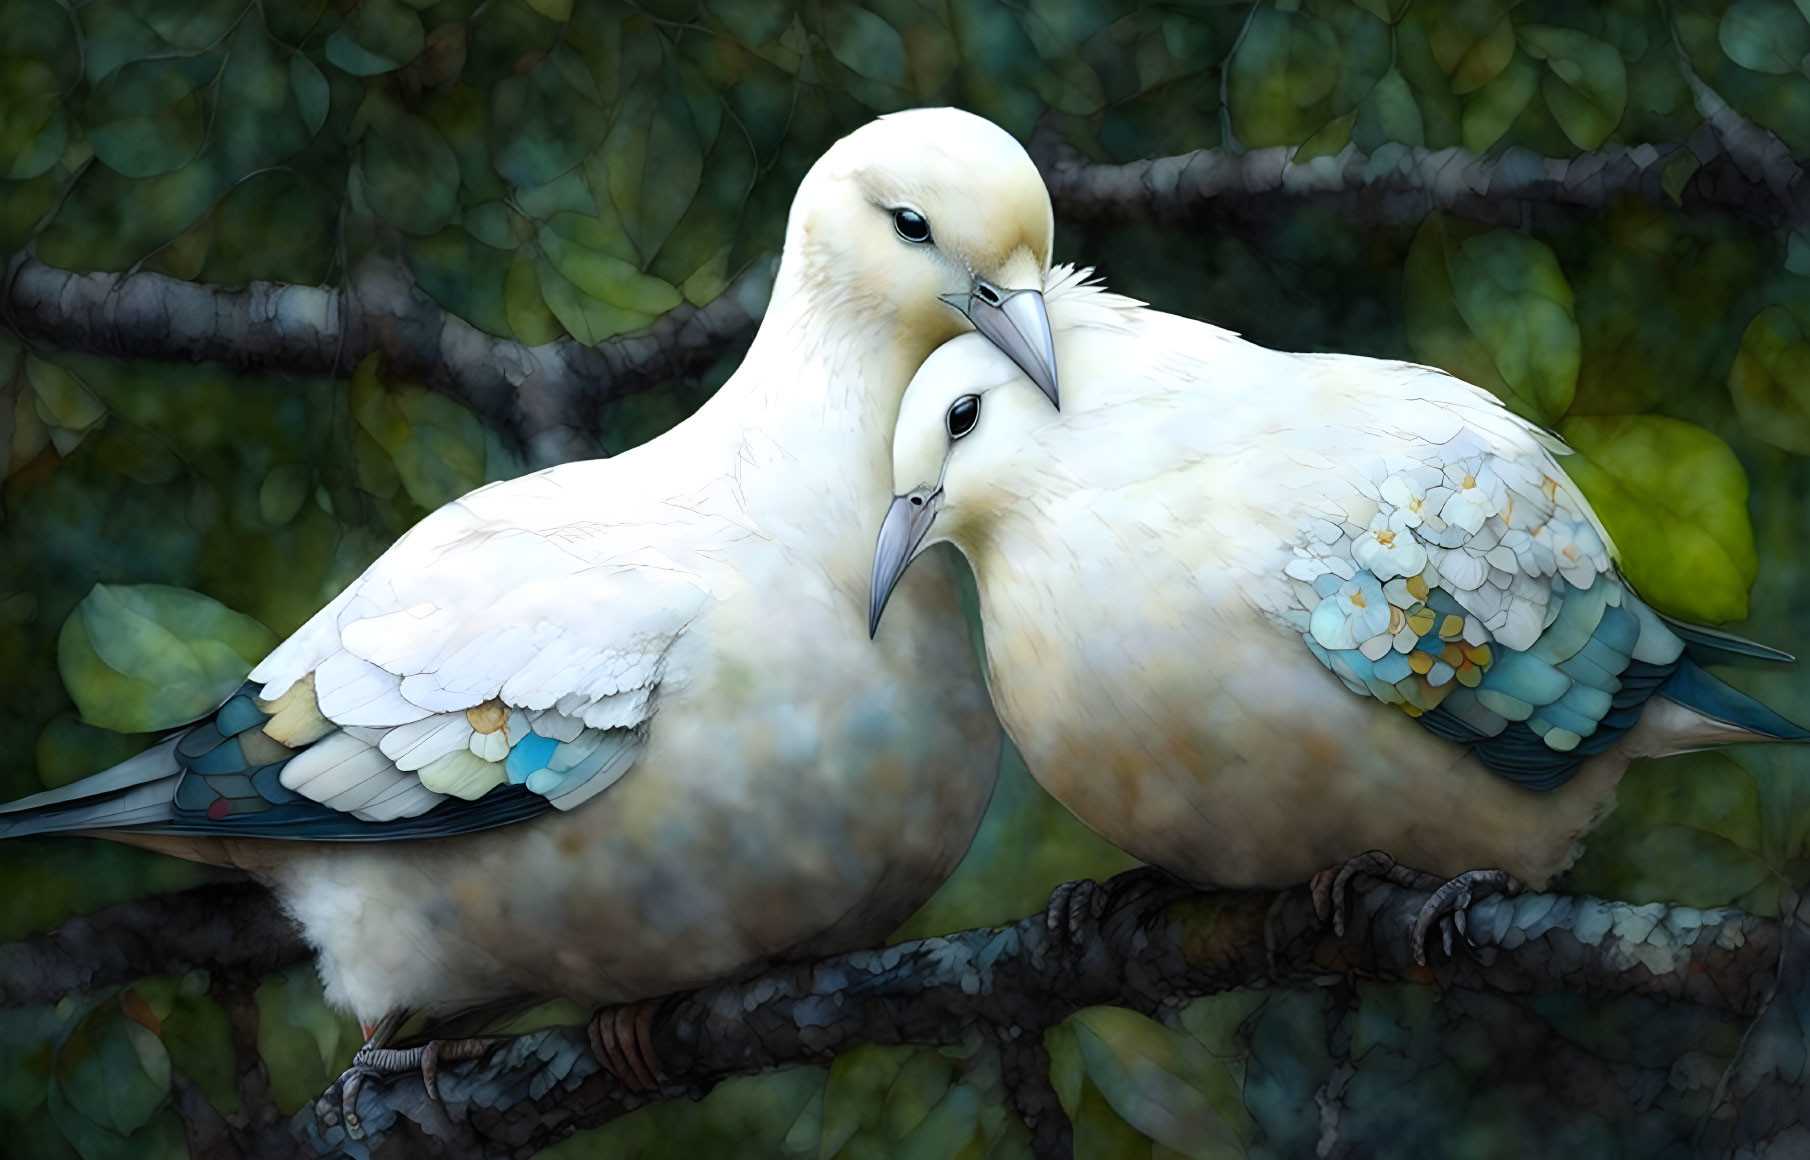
960	438
932	220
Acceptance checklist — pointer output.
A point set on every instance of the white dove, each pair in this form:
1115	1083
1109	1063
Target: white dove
613	729
1251	614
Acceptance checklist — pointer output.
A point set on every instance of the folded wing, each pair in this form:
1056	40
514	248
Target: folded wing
1455	571
502	659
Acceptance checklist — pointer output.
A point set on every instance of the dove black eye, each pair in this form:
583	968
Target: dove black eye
963	414
911	224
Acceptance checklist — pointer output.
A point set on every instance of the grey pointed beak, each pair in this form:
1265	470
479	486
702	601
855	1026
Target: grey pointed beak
1016	322
907	522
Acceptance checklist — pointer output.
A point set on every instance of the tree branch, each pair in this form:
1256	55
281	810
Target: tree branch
1403	184
1762	1105
1757	156
235	928
535	1089
546	397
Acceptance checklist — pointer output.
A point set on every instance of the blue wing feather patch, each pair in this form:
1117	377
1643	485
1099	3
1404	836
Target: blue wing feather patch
1534	716
238	715
529	755
225	757
200	739
217	793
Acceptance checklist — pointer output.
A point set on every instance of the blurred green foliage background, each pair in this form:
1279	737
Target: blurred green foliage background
555	167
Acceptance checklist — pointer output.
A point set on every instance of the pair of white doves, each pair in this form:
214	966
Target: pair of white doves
617	729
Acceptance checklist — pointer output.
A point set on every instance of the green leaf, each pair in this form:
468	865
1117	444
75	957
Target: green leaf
584	316
1490	110
602	232
540	127
1485	59
147	118
112	36
654	158
190	25
1673	498
1797	253
1678	173
1770	378
284	489
112	1070
1767	36
1163	1083
1285	62
1328	139
110	222
437	446
1494	309
304	1042
142	657
64	400
1586	83
529	317
382	35
34	129
1389	114
463	275
497	225
1687	831
275	224
606	276
258	120
552	9
865	43
410	173
751	22
198	1037
311	93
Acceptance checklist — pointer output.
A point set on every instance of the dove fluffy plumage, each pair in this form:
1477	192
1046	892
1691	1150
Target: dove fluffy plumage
1249	614
624	710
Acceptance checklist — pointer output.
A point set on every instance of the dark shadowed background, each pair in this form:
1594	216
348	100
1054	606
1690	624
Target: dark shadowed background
551	168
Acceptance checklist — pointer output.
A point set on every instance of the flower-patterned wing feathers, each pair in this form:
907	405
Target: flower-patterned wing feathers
482	671
1479	596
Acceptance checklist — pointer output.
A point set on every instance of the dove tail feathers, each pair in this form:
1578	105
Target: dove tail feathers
139	791
1721	713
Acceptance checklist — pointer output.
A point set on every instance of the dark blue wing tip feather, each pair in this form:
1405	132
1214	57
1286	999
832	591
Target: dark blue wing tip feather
220	794
1695	688
299	819
1523	757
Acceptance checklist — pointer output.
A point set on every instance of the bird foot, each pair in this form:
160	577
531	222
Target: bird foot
1450	906
1074	909
1073	913
1332	888
622	1039
377	1061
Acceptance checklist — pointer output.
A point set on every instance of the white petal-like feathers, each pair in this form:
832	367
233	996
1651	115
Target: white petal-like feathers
511	596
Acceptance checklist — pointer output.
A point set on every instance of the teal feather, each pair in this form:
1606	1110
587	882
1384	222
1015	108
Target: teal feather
238	715
1695	689
1604	656
1585	671
1586	701
1392	668
529	755
225	757
1618	630
1728	644
1504	706
1525	677
1579	614
1559	715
